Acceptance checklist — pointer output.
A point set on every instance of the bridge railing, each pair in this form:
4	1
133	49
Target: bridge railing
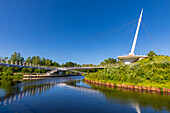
12	63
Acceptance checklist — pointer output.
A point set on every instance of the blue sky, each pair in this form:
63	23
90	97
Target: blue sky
66	30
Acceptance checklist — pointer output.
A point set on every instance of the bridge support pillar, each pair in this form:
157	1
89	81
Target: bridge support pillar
20	63
6	61
11	61
16	63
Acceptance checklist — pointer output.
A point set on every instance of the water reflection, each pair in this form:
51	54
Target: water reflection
136	99
136	106
13	94
12	91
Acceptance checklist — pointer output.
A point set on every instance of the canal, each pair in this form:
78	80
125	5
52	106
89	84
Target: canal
74	95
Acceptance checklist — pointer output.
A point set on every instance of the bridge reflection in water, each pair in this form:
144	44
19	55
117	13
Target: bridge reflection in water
27	91
31	90
133	99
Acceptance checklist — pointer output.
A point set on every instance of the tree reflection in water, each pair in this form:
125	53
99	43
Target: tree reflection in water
136	99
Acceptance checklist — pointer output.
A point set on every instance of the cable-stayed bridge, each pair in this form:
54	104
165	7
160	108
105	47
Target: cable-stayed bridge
128	59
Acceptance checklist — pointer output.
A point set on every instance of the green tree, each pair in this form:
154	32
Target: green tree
55	64
43	61
109	61
70	64
36	60
151	54
48	62
16	57
22	59
28	60
102	63
19	56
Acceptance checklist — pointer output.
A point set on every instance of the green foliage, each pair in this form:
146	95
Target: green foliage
6	71
11	77
108	61
70	64
87	65
35	60
31	70
24	70
151	54
28	60
16	57
147	72
55	64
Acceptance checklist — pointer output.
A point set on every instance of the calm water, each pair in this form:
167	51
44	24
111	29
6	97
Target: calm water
72	95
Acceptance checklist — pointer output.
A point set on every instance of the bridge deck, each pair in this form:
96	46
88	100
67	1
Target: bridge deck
46	68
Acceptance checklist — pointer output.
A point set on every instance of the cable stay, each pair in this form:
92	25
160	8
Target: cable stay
124	37
104	36
151	38
103	33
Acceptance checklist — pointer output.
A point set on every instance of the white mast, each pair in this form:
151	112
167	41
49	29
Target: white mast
136	35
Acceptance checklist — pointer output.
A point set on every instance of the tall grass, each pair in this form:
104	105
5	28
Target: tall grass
150	72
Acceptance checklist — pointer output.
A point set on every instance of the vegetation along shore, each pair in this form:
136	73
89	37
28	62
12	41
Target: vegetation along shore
152	73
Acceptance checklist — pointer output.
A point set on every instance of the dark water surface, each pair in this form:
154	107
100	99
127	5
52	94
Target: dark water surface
73	95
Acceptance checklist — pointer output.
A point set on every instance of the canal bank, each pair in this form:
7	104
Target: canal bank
132	88
152	74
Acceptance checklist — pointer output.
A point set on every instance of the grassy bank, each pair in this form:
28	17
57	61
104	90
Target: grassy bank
150	72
